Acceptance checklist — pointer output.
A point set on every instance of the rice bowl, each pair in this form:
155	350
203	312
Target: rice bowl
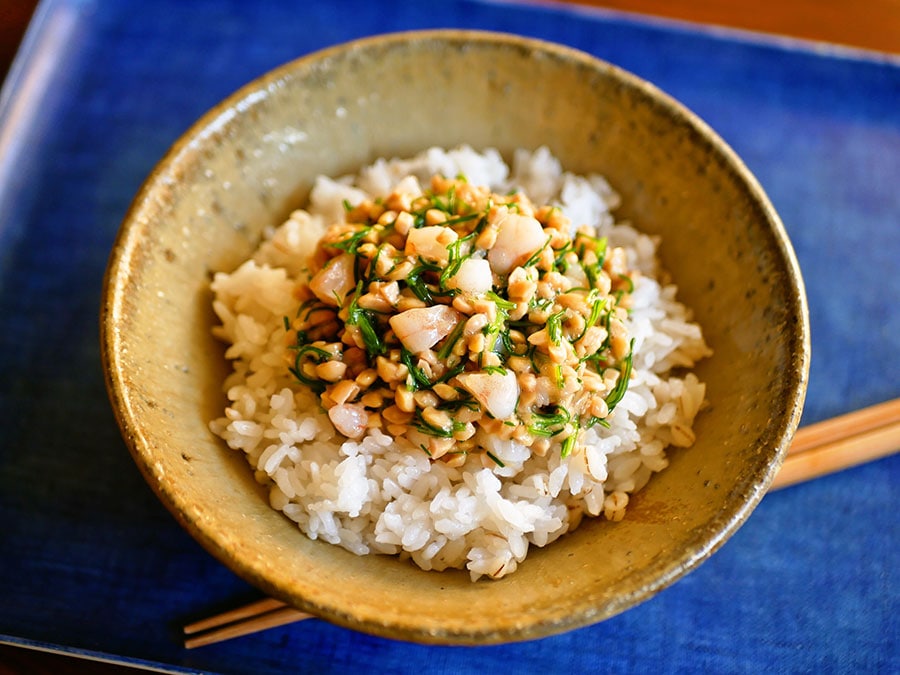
248	164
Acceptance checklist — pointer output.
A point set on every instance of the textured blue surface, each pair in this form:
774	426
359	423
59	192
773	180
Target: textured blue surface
90	561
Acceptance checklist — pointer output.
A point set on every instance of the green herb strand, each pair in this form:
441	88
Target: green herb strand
618	391
363	319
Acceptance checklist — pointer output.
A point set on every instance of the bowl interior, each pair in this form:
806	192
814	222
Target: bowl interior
253	159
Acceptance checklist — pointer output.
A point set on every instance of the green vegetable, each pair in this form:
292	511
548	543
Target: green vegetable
601	247
440	432
569	444
622	383
559	262
548	424
494	330
597	308
465	401
536	256
455	259
417	284
558	376
450	374
592	272
363	319
447	348
417	378
351	243
501	302
458	220
510	347
554	326
495	459
450	205
318	356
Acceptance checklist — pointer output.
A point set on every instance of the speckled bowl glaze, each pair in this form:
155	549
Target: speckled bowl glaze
252	159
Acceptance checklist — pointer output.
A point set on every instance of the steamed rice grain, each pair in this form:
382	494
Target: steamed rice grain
373	495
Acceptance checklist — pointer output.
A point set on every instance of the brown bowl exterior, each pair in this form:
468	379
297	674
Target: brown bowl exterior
253	159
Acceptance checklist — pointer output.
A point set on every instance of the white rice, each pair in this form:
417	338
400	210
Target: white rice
375	496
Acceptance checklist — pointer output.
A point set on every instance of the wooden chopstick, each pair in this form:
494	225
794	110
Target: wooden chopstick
816	450
253	609
844	426
257	616
840	443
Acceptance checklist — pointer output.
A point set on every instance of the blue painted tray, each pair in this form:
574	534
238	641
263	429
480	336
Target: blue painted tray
92	564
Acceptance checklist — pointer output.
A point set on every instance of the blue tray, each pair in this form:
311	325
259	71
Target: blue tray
92	564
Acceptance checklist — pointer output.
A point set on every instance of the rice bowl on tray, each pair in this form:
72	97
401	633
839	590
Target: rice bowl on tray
457	372
419	410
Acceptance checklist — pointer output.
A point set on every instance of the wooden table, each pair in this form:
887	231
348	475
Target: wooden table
875	26
872	26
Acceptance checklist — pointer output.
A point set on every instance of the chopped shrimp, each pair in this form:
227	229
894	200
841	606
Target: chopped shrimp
332	283
422	328
518	238
497	392
474	276
349	419
430	242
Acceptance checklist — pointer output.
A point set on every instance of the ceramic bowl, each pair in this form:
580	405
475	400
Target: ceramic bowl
253	158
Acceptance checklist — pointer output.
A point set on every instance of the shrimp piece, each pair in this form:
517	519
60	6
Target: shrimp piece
616	262
332	283
423	327
496	392
430	242
474	276
349	419
518	238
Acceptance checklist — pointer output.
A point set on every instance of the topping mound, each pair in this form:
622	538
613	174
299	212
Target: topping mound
447	314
